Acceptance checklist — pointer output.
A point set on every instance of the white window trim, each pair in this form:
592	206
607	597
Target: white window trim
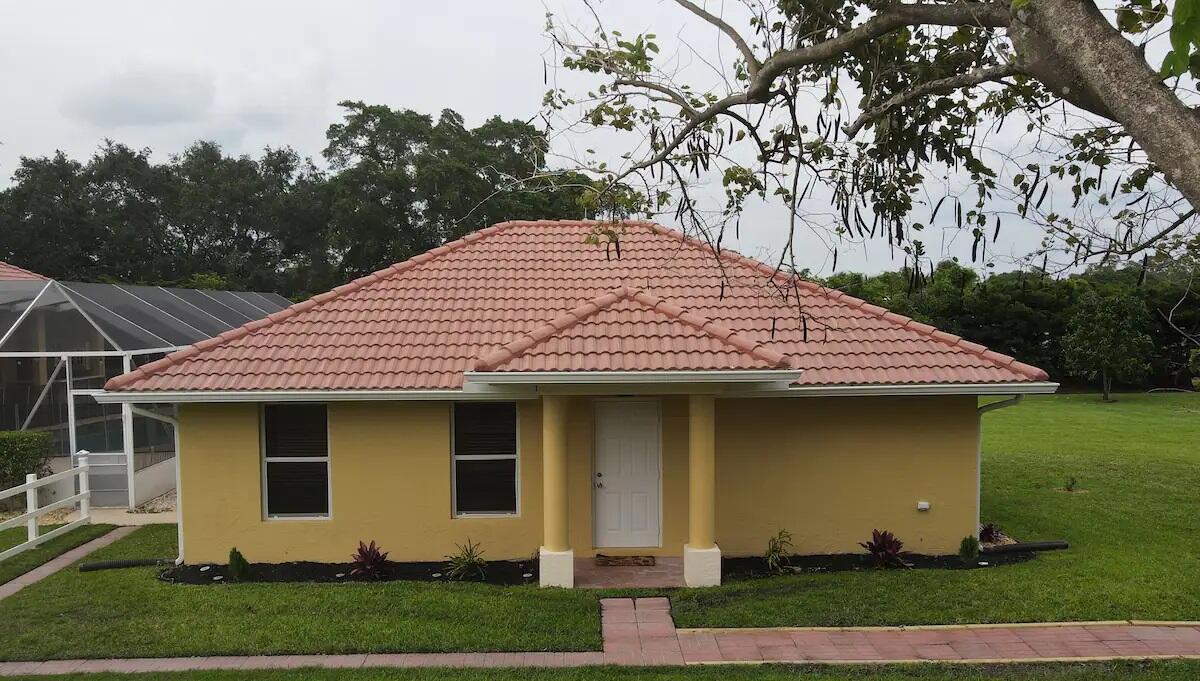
264	459
516	458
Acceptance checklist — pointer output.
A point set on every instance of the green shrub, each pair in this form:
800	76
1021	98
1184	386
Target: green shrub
22	453
779	551
468	563
968	550
239	567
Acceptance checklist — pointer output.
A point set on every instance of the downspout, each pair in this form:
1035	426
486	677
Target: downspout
174	423
981	410
1010	402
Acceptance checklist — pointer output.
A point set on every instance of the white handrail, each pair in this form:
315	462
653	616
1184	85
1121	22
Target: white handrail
33	511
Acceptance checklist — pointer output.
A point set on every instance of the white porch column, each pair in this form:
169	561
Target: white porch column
701	556
556	561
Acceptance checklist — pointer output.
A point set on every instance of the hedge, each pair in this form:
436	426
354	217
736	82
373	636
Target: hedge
22	453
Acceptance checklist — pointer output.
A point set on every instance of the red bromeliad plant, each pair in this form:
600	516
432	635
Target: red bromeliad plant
887	549
369	560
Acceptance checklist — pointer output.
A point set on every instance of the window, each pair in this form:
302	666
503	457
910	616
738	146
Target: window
485	458
295	460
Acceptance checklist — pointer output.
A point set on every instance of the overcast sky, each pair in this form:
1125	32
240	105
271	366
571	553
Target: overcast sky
161	74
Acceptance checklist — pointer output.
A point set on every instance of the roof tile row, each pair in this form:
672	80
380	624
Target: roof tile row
533	296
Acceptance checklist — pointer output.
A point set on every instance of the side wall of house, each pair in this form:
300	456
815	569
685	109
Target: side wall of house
831	470
827	470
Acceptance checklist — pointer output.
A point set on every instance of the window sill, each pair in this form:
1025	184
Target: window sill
476	516
293	518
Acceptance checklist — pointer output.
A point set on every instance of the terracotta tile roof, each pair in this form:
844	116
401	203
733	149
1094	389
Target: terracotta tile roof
421	323
630	330
13	273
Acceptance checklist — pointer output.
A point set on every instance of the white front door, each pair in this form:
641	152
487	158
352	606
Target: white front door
626	482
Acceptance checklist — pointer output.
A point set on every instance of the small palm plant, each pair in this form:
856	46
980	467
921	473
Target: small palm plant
467	563
779	551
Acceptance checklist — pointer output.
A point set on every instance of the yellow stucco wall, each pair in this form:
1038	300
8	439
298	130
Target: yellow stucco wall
831	470
828	470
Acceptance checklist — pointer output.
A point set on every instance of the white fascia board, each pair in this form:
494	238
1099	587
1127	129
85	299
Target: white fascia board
1031	388
527	392
175	397
630	377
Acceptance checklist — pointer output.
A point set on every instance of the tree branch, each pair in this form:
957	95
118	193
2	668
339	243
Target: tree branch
650	85
933	87
984	14
760	91
696	121
752	63
1129	251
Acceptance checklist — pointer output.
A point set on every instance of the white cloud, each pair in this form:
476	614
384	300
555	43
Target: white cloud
144	96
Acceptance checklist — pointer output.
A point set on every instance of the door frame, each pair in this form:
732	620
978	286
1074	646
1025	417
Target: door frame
656	402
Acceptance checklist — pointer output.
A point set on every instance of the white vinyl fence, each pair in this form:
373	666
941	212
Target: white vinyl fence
30	518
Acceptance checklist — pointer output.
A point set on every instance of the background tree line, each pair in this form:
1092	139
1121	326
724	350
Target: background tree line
1130	323
398	183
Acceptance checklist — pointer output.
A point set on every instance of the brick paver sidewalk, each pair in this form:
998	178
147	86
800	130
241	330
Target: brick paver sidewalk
641	632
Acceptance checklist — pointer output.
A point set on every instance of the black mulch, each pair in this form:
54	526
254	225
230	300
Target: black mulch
504	573
756	566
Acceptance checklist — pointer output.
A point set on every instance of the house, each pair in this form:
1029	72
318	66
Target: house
60	341
535	392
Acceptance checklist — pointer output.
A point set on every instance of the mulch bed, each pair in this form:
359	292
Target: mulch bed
756	566
504	573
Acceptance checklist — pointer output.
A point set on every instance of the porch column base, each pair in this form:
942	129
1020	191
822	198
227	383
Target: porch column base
556	568
701	567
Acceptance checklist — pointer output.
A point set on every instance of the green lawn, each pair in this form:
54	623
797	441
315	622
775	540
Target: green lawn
1134	530
1156	671
24	562
129	613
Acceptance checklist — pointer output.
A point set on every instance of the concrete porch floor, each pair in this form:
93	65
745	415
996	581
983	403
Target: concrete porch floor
666	573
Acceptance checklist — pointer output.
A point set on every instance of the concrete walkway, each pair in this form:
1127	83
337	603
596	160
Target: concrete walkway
123	517
54	565
641	632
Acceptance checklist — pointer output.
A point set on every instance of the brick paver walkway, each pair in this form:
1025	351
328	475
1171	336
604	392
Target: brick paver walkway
644	630
641	632
55	564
